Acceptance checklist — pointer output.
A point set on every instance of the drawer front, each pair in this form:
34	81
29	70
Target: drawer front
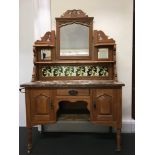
73	92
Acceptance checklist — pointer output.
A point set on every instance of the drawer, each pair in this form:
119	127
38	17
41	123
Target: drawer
73	92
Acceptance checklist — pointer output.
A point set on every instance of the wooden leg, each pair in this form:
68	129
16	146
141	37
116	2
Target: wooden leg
118	139
29	146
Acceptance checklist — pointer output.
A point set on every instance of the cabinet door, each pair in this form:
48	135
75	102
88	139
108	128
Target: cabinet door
42	106
103	104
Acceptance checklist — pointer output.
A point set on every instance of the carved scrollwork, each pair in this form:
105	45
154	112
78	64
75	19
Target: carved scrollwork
34	55
48	38
86	23
101	37
45	38
74	14
34	67
115	73
34	76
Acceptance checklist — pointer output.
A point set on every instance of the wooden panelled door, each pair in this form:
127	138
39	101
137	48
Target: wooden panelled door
103	104
42	108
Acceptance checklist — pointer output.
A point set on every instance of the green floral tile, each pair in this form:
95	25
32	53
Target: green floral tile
71	71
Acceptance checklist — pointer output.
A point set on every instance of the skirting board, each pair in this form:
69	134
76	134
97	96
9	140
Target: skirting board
128	126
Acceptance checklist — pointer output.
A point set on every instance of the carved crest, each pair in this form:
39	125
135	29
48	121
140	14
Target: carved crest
48	38
74	14
101	37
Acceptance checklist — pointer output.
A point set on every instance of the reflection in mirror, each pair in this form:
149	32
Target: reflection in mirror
74	40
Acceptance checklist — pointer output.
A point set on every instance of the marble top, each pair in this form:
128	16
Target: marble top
73	83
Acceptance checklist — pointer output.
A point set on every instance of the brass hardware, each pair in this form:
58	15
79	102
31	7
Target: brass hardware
73	92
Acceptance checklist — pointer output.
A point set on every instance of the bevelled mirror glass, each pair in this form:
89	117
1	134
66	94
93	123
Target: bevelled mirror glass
74	40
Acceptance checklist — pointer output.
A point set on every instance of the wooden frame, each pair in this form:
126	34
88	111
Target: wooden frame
71	17
110	53
41	56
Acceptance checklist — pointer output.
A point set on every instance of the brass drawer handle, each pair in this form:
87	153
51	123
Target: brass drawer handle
73	92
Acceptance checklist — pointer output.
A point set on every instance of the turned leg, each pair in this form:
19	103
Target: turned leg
118	139
29	146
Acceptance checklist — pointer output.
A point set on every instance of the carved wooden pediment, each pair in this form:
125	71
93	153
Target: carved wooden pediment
74	14
101	38
48	38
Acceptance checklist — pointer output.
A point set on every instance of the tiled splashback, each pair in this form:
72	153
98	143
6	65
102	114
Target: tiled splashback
72	71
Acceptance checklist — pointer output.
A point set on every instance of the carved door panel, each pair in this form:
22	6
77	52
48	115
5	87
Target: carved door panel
103	104
42	107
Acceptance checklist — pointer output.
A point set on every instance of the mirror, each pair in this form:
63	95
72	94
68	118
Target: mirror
74	36
74	40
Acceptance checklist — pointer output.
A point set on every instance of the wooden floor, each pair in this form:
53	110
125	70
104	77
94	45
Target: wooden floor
75	143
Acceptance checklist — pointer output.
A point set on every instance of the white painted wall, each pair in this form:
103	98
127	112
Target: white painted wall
113	17
42	17
26	35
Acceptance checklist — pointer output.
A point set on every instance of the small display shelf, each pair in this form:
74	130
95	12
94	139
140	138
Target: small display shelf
104	48
44	49
74	62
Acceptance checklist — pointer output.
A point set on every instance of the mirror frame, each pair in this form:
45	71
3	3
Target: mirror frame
71	17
